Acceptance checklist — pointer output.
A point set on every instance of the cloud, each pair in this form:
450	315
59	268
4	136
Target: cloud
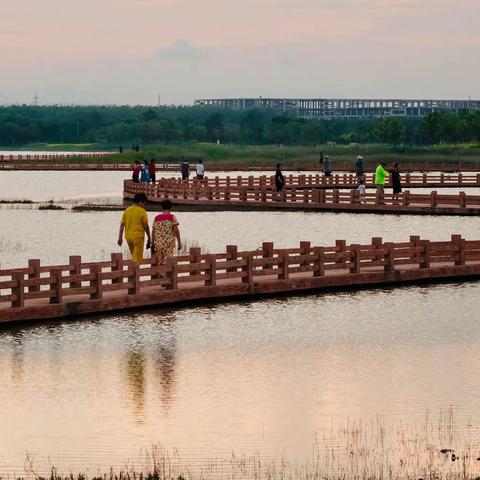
180	51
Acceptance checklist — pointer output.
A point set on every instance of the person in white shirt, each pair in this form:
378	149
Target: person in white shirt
361	190
200	169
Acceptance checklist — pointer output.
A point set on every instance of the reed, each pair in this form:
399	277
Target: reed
434	449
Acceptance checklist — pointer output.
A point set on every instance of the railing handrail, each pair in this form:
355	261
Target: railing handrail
18	285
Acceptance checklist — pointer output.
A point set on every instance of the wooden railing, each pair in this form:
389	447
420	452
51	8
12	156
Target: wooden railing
345	180
85	281
50	157
56	162
256	196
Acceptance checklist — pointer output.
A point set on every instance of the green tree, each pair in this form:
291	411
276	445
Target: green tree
390	130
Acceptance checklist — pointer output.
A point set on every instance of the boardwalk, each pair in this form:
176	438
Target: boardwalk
200	197
339	180
8	162
77	288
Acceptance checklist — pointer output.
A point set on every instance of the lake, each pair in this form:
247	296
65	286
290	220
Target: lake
269	378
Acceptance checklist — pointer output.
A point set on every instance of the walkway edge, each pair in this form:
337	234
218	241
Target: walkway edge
162	297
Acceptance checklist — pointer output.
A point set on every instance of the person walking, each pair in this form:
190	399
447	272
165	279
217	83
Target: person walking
145	177
136	170
361	190
200	169
279	178
165	233
380	176
134	224
359	168
321	159
396	182
152	170
185	169
327	166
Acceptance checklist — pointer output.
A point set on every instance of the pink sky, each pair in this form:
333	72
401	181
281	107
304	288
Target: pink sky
129	51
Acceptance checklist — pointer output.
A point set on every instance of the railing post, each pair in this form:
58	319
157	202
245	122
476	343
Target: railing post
319	263
340	248
75	262
117	266
283	273
379	199
134	274
377	244
389	257
18	291
172	274
267	252
248	268
304	250
56	285
406	198
355	258
195	257
462	199
433	198
96	282
322	196
305	196
34	265
415	242
336	195
458	244
211	278
263	193
425	259
232	254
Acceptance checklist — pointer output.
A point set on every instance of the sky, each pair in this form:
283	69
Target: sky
143	51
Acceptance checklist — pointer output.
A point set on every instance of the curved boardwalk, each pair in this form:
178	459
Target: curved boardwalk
338	180
314	199
77	288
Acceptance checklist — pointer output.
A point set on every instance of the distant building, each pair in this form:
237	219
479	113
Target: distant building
325	108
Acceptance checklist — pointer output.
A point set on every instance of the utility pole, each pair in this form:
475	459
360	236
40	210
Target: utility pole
35	100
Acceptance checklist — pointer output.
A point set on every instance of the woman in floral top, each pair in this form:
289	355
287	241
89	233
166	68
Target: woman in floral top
164	233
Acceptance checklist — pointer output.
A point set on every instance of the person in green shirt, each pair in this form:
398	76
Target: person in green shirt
380	176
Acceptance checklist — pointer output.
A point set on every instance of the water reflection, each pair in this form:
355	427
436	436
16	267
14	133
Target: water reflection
262	376
163	363
18	359
135	374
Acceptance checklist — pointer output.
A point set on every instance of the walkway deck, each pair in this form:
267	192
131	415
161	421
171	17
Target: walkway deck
42	292
199	197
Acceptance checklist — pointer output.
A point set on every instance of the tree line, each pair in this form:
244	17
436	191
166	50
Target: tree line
124	125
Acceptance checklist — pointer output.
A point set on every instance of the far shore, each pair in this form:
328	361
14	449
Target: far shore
258	155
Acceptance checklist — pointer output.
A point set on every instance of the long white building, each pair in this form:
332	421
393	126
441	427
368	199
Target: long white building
325	108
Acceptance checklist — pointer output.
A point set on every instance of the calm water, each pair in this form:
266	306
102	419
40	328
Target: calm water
262	377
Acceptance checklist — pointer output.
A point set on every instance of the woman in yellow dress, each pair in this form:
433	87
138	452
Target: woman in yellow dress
165	233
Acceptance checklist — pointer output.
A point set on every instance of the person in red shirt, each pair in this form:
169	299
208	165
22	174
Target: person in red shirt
136	170
151	169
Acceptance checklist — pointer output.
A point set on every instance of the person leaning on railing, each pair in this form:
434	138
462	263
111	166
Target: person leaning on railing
134	224
380	176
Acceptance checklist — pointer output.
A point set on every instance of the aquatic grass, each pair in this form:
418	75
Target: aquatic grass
261	154
433	450
9	201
